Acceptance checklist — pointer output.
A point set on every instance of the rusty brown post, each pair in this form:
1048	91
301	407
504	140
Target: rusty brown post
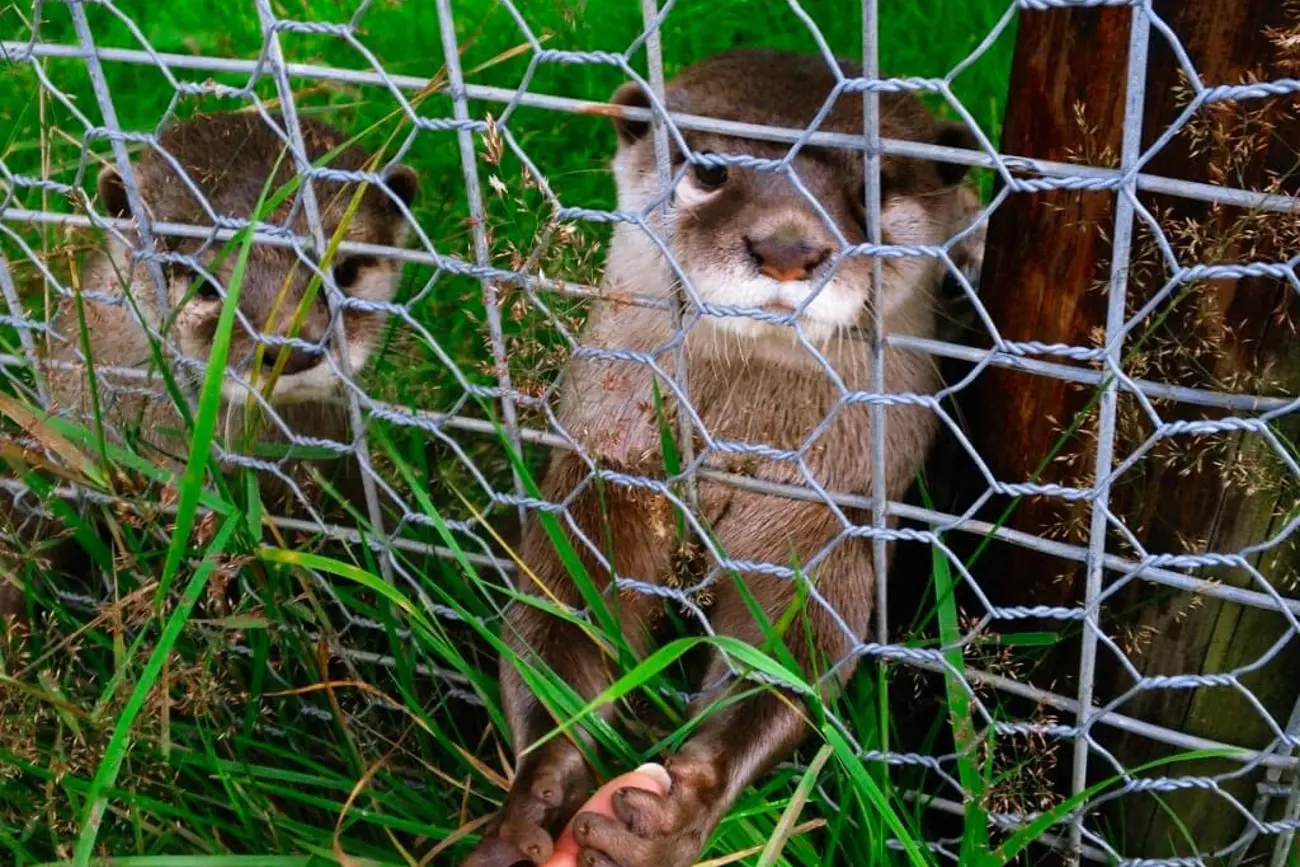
1045	280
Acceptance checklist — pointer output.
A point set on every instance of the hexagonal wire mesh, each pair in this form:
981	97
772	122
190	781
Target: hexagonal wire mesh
518	405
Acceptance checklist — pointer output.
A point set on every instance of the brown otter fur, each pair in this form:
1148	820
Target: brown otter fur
742	238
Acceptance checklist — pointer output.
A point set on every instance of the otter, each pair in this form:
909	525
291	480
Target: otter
221	165
759	260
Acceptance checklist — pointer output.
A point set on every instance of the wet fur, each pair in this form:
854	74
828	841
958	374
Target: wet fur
753	384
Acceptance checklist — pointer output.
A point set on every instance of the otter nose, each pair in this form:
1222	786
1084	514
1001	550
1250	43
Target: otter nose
298	359
785	254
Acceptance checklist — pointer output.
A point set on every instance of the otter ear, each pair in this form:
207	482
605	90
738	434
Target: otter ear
112	193
630	95
404	183
968	254
954	134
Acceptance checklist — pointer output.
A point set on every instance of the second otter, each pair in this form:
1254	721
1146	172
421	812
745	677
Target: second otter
221	165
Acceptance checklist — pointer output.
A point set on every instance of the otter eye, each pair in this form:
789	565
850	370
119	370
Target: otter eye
860	196
709	177
348	270
202	287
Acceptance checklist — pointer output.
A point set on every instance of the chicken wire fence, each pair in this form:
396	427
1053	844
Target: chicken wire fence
1271	816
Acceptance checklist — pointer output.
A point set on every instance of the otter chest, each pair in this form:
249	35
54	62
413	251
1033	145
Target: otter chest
777	427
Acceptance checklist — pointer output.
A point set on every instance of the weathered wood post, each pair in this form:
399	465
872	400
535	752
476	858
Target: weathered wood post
1223	492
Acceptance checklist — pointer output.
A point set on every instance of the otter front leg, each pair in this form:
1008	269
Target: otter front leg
549	782
734	746
552	781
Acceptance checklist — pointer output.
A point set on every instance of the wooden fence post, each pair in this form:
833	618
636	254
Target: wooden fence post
1045	281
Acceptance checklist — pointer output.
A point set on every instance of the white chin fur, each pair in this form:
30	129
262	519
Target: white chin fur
318	384
834	308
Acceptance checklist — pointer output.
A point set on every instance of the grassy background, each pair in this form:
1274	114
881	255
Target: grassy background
322	713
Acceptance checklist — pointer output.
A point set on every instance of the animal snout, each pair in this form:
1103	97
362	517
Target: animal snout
786	254
298	359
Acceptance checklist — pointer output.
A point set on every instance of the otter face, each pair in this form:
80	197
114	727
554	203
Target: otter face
750	239
274	288
273	311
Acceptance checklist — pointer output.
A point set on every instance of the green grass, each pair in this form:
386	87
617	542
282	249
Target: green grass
174	729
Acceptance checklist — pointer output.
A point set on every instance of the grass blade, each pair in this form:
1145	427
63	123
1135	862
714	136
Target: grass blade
870	794
975	836
206	422
115	752
785	827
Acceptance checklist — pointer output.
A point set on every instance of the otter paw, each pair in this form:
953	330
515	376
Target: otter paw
522	833
650	831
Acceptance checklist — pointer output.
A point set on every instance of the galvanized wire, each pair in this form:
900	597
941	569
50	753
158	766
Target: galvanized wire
1275	810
